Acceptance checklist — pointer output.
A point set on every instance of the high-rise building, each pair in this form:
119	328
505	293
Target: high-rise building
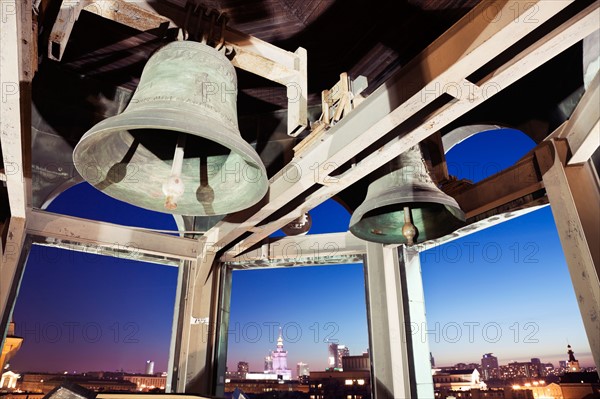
333	355
537	362
275	365
149	367
562	364
336	352
303	372
431	360
342	351
268	364
489	366
242	369
279	356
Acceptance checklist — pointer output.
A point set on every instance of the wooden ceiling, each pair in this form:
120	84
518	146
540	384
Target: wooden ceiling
360	37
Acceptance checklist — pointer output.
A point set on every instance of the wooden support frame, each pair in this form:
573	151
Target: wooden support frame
338	100
193	351
120	11
15	126
583	128
249	53
110	239
387	322
312	246
13	253
464	48
513	183
574	193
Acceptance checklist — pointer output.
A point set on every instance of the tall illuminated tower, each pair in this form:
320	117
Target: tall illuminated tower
572	363
279	356
149	367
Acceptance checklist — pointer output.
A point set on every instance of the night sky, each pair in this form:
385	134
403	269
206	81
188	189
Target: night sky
504	290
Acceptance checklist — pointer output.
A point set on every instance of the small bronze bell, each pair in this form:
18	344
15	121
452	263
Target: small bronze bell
404	205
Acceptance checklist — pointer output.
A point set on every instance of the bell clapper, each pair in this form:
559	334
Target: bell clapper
408	230
173	188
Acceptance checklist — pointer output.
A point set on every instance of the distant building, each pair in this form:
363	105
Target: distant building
562	364
242	369
268	364
303	372
45	382
264	386
9	380
336	352
340	384
575	385
489	367
279	357
149	367
148	382
456	380
332	359
356	363
275	365
572	363
342	351
302	369
520	369
431	360
12	344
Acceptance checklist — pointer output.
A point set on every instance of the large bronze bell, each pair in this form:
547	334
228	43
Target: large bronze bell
177	148
404	205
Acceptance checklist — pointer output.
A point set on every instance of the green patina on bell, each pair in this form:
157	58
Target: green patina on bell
405	184
177	148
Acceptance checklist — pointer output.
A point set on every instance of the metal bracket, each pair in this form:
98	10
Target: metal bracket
209	26
119	11
255	56
336	103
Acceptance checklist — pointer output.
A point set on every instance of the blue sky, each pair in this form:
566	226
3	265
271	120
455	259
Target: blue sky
81	312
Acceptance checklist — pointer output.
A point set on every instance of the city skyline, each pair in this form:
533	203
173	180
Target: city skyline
531	282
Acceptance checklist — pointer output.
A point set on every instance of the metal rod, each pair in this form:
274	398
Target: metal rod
409	231
173	188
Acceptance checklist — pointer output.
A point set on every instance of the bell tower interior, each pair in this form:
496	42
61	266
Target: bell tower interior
240	117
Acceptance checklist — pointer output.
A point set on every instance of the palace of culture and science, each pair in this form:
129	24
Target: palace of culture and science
276	363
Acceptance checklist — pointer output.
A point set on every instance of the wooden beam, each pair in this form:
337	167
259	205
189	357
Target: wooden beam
519	180
366	124
299	247
253	48
11	270
12	129
583	128
275	64
129	14
110	236
62	28
125	13
574	195
297	94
